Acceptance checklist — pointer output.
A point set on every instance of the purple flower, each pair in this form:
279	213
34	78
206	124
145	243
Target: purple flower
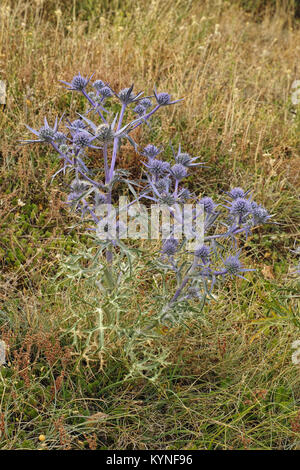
233	266
60	137
163	184
240	206
151	151
146	102
78	83
203	253
78	124
157	167
126	96
178	171
164	99
208	204
106	92
44	134
98	85
236	193
82	138
140	110
170	247
184	158
260	215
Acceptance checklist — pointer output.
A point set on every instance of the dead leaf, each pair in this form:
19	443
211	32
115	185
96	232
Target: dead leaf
268	272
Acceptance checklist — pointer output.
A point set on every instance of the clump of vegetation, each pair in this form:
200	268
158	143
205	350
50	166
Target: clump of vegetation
78	373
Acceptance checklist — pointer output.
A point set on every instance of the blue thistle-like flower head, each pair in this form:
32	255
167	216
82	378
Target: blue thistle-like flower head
240	206
208	204
79	186
146	102
158	167
183	158
163	184
170	247
105	133
60	137
81	138
100	199
184	195
98	85
260	215
233	265
140	109
164	99
151	151
79	83
203	253
47	134
178	171
237	193
106	92
126	96
78	124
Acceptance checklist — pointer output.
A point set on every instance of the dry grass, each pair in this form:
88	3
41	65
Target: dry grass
229	382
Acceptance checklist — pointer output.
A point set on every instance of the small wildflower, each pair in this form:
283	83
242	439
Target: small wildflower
240	206
151	151
178	171
81	139
208	204
170	247
106	92
164	99
98	85
78	83
203	253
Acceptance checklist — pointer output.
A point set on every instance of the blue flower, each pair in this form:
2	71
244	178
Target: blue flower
78	83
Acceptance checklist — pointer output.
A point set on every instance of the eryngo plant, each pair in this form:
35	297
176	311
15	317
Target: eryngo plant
106	135
216	256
